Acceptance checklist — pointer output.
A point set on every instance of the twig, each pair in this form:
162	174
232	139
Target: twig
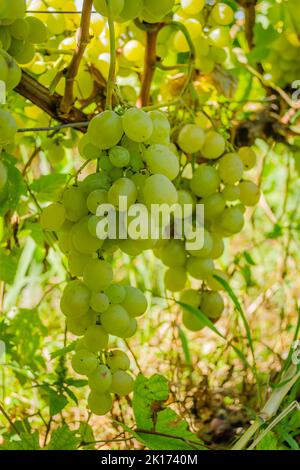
39	95
82	41
30	160
75	125
149	65
8	419
249	7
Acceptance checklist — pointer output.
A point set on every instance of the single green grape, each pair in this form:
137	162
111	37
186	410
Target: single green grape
117	359
75	299
115	320
160	159
105	130
97	275
99	403
205	181
212	304
200	268
100	380
74	202
95	338
84	362
135	302
191	138
122	383
99	302
137	125
116	293
175	279
53	217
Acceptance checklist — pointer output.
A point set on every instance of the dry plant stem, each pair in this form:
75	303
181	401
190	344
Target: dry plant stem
149	66
49	103
249	7
82	41
271	406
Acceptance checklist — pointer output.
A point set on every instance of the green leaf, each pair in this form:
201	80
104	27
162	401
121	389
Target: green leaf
149	394
8	267
63	439
170	424
86	435
14	187
49	187
185	346
24	441
249	258
269	442
204	319
57	402
63	351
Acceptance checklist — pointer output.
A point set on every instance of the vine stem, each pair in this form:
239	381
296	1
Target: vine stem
81	43
112	65
149	66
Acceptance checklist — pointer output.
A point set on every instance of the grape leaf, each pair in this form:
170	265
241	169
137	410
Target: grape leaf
24	441
8	267
148	393
49	187
63	439
14	188
57	402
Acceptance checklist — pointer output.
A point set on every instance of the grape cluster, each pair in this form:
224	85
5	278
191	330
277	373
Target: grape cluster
136	160
19	34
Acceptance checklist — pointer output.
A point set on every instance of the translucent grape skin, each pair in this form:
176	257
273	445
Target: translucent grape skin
117	359
116	293
115	320
158	189
53	217
75	299
249	193
105	130
116	7
137	125
97	275
100	379
84	362
99	403
231	168
160	159
205	181
175	279
135	302
214	145
212	304
122	383
74	203
95	338
99	302
191	138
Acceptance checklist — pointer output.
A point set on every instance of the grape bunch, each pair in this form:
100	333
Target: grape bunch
19	34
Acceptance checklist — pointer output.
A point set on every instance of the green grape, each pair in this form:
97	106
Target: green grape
105	164
100	379
95	229
231	192
218	246
213	283
17	9
205	63
249	193
84	362
64	241
87	150
175	279
16	47
55	22
187	201
212	304
115	320
3	69
173	253
97	275
122	383
93	182
130	11
53	217
55	152
134	51
200	268
99	403
117	359
74	202
78	326
26	54
220	36
131	247
77	262
95	199
248	157
3	176
192	7
137	125
222	14
214	145
75	299
19	29
105	130
8	127
95	338
214	204
5	38
135	303
80	345
14	72
99	302
116	174
191	138
232	220
206	249
231	168
123	187
102	8
131	330
82	240
205	181
116	293
37	30
160	159
158	189
161	128
190	320
119	156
